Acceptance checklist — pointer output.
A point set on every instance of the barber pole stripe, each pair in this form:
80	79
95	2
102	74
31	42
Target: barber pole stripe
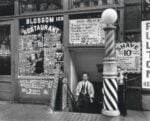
110	94
110	44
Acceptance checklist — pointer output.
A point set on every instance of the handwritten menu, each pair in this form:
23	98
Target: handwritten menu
40	56
86	32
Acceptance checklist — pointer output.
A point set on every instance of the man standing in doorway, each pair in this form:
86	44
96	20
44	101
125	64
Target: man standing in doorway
85	94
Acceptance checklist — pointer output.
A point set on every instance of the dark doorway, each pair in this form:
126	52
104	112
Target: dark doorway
86	60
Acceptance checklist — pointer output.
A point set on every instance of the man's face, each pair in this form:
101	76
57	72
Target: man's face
85	77
119	71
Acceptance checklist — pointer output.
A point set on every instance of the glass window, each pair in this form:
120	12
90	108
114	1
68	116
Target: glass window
40	46
27	6
90	3
5	58
6	7
132	37
145	9
130	11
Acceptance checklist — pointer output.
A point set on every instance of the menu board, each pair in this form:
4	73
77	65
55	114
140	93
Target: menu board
86	32
129	56
40	56
36	87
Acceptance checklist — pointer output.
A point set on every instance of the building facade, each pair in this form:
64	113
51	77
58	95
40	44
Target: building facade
43	41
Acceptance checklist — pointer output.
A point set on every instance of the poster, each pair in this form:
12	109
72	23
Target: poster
129	56
146	54
86	32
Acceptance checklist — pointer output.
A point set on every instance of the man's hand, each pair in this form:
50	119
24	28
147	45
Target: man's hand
76	98
91	100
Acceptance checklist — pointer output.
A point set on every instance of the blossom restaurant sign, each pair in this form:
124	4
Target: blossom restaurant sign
146	54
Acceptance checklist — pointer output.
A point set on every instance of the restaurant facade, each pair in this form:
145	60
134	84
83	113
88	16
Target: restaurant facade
45	46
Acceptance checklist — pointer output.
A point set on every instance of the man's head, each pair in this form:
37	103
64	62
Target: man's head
85	76
119	69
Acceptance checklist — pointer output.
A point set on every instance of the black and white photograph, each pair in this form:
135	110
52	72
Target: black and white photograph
74	60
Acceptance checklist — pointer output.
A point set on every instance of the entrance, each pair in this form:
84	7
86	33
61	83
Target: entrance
6	61
88	60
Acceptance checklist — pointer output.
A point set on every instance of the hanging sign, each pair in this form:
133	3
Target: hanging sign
128	56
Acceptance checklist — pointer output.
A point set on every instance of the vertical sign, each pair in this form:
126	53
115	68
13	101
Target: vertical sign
146	54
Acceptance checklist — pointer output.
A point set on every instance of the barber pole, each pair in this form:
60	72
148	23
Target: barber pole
110	94
110	86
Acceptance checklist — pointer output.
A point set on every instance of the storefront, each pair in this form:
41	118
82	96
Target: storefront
43	41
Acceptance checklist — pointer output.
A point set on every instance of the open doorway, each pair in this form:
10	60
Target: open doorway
87	60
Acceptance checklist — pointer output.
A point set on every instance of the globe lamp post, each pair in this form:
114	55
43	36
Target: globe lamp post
110	86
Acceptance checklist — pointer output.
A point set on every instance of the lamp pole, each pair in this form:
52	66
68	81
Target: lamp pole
110	86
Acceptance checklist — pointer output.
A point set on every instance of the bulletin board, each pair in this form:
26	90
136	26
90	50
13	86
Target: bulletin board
86	31
40	65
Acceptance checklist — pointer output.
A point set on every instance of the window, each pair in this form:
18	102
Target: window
132	15
40	46
145	9
5	58
6	7
90	3
132	37
27	6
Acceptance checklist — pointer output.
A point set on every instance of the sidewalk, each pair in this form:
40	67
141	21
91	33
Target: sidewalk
28	112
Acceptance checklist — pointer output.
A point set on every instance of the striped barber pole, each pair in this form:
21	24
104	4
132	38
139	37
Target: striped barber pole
110	44
110	89
110	86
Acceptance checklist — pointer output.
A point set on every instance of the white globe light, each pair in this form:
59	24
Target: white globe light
109	16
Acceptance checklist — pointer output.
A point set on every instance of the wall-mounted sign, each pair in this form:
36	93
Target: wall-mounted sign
86	32
146	54
36	86
129	56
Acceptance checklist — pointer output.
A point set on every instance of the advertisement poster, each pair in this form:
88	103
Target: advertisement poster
86	32
146	54
129	56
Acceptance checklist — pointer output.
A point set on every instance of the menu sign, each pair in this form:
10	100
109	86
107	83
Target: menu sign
40	57
86	32
129	56
36	87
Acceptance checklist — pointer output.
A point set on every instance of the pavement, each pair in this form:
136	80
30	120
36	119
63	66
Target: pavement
31	112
